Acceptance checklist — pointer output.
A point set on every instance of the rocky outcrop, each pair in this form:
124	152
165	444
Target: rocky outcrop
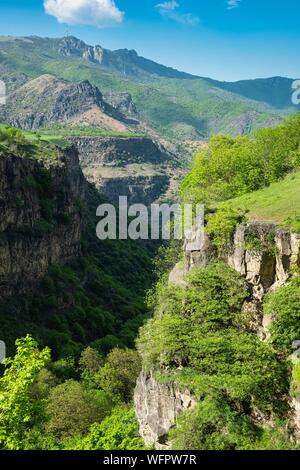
118	151
262	252
47	100
157	406
139	189
124	166
40	218
122	102
124	61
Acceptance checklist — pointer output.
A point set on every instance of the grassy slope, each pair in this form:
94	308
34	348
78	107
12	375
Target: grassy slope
279	202
56	135
82	131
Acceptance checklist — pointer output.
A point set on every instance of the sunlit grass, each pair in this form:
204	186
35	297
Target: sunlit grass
280	202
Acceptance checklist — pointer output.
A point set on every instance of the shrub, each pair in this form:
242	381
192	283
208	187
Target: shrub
117	432
72	409
222	224
119	374
284	306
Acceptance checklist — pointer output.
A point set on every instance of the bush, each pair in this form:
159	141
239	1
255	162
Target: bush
72	409
284	307
216	425
221	226
212	425
117	432
119	374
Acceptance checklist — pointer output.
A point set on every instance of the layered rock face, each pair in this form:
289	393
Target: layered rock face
260	251
124	166
117	151
265	255
157	406
40	218
138	189
48	99
122	102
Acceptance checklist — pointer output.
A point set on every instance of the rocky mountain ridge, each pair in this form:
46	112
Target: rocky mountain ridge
175	105
125	61
47	100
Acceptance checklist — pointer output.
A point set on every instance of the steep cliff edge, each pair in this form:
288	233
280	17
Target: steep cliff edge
40	217
266	256
157	406
135	167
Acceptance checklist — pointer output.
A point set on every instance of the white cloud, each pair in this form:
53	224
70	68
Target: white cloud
231	4
98	13
170	10
168	5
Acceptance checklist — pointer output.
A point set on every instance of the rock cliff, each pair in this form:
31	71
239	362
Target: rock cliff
47	100
260	251
135	167
157	406
265	255
40	217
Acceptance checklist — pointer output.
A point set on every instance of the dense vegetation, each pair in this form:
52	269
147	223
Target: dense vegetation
200	338
230	167
66	405
15	142
99	299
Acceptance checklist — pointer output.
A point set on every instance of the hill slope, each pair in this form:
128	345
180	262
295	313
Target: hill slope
280	202
47	99
175	104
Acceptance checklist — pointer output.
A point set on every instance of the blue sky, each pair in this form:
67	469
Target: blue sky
222	39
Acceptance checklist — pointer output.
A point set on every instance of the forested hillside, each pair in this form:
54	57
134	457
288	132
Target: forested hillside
226	325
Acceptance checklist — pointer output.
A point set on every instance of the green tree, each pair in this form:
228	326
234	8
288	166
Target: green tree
90	360
284	307
229	167
18	409
45	381
72	409
119	431
119	374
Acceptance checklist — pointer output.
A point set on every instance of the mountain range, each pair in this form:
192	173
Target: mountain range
45	78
